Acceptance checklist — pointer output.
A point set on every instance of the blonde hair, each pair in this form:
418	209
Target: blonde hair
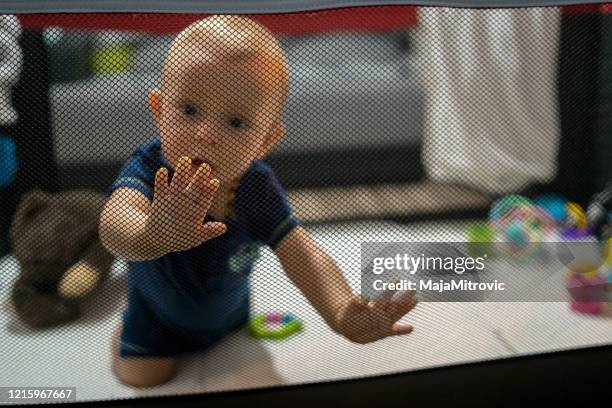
233	35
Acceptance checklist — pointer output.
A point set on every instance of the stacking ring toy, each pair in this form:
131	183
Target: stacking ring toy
505	204
575	225
274	325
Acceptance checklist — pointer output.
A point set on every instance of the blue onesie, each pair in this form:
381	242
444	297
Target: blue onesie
186	301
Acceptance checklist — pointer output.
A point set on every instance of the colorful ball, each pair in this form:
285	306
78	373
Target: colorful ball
523	228
555	205
516	233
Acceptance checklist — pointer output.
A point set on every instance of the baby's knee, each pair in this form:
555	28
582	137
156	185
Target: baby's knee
141	377
140	372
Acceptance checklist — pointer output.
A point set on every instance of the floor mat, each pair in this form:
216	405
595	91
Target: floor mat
78	355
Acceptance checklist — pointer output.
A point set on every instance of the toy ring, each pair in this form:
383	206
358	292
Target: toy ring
274	326
576	216
505	204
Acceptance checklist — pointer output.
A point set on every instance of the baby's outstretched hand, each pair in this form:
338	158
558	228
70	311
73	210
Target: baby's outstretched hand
363	322
177	212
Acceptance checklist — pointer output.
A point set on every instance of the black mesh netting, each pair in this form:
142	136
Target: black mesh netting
196	203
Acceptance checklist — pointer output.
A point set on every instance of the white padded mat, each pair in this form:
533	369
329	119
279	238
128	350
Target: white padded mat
445	333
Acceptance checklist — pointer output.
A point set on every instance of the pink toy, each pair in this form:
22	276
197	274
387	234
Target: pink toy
587	291
274	317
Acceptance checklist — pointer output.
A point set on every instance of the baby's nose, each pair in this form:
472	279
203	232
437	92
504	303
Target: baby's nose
206	134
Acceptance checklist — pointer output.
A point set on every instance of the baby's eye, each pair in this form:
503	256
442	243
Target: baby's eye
237	122
189	109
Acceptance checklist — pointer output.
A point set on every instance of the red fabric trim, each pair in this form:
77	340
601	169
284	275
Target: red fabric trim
581	9
379	18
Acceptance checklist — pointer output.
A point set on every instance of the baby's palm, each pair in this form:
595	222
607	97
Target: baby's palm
362	322
176	217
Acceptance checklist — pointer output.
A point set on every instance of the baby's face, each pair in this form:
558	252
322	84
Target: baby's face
218	109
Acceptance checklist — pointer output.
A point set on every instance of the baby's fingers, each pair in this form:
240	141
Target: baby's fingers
211	230
401	328
200	180
398	309
205	197
161	182
180	180
382	298
382	301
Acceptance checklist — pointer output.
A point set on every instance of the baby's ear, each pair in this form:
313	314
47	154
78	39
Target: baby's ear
276	133
155	103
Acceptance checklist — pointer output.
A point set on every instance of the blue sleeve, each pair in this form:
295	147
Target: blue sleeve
137	173
262	203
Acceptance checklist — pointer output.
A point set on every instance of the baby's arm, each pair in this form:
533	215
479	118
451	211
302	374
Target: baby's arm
315	273
263	202
320	279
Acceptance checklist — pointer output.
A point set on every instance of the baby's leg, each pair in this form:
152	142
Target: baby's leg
140	371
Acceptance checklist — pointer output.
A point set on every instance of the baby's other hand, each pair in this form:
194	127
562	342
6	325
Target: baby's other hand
177	212
363	322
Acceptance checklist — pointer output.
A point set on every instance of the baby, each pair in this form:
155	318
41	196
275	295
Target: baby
193	203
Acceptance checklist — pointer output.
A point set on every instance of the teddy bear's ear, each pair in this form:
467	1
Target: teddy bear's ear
31	203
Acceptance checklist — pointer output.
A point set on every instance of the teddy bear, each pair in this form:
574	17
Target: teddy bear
54	238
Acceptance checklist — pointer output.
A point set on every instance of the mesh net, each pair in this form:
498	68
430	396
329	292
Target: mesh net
197	203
